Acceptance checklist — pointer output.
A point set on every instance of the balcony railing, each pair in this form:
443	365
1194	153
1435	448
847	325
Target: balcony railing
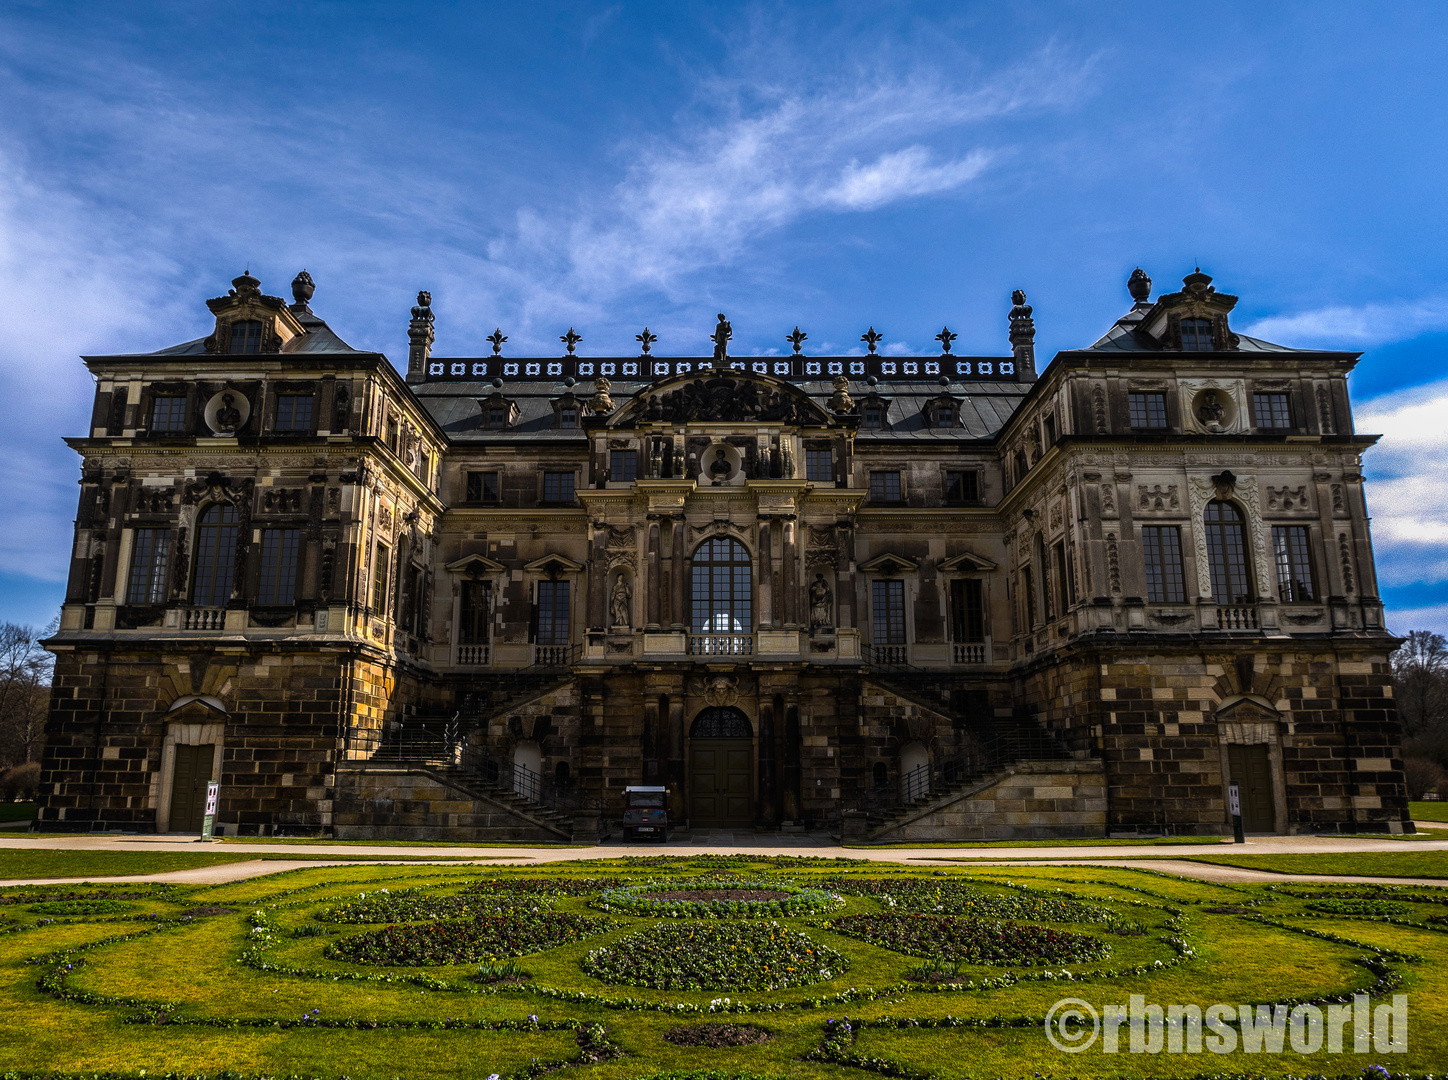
1237	618
205	618
966	653
473	655
721	644
888	655
555	656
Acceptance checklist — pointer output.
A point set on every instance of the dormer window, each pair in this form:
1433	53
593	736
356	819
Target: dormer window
246	336
944	416
497	417
874	416
1197	335
567	417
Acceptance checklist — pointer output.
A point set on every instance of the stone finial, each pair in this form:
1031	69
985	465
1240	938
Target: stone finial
840	400
496	339
1139	285
945	337
1023	335
601	402
571	339
1198	284
302	289
871	339
420	335
245	287
796	339
646	341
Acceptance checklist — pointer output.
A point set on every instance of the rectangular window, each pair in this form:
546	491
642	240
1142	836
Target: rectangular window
967	610
1048	431
476	602
557	487
819	466
246	336
874	416
482	487
1029	597
552	613
944	417
1161	547
885	486
147	582
1273	410
623	465
294	412
1065	580
1196	335
497	417
568	418
168	412
391	436
279	555
1294	564
380	565
888	612
1148	411
962	487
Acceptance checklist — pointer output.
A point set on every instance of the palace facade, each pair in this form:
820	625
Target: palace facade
916	597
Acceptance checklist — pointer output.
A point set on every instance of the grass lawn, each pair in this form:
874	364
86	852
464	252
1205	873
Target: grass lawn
1385	864
1074	842
1428	811
47	863
17	811
291	840
471	971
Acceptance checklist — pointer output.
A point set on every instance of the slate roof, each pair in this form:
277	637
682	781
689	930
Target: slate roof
319	338
1125	337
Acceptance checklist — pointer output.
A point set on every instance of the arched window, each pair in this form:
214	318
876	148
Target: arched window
722	598
882	775
215	556
1227	553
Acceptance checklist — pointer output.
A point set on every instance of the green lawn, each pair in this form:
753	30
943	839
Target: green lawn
17	811
47	863
1073	842
1428	811
1386	864
250	984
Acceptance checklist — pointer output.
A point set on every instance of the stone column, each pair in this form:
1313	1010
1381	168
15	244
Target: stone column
678	779
766	577
655	586
766	796
680	611
791	808
790	583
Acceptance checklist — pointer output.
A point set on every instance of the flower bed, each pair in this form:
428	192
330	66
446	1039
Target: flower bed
955	897
716	1036
414	905
977	941
466	941
1358	907
703	956
717	900
81	907
545	886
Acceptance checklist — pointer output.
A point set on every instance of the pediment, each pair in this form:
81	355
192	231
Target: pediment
554	564
721	397
889	563
966	561
475	565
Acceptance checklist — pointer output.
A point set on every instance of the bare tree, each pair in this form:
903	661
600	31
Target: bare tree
1420	684
25	670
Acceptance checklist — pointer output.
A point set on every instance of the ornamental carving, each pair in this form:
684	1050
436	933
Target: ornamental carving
725	399
154	500
1213	405
1344	554
1158	497
621	549
281	500
1108	500
1202	490
1324	411
1098	409
1113	563
1285	498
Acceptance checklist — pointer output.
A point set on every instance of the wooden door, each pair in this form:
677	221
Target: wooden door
191	774
720	775
1251	771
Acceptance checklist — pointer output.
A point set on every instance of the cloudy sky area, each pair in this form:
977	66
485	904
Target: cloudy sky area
543	165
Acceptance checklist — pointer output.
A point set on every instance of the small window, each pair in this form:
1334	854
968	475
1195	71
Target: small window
294	412
568	417
944	416
497	417
1148	411
168	412
1197	335
552	613
881	774
557	487
1294	564
874	416
819	466
147	582
1048	431
246	336
962	487
391	435
1065	578
482	487
1023	466
1161	548
623	466
885	486
380	567
1273	410
279	552
887	612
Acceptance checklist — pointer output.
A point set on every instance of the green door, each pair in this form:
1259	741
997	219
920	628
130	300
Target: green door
721	792
1252	773
188	786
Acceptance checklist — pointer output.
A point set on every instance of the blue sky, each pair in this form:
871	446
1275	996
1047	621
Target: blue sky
543	165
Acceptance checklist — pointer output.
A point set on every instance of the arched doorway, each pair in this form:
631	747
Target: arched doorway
527	767
914	771
721	769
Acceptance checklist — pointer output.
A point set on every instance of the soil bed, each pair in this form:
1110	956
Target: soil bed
717	894
716	1036
208	909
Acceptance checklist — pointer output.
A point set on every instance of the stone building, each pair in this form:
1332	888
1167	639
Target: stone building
900	597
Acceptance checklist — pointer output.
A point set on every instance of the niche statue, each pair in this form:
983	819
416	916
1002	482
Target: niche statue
821	605
621	603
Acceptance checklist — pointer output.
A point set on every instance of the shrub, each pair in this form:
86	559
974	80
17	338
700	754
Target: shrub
21	782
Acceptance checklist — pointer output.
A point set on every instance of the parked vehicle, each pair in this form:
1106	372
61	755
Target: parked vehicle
644	814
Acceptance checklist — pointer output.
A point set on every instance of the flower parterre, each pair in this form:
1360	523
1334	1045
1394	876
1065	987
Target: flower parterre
633	900
466	941
715	956
968	940
961	898
415	905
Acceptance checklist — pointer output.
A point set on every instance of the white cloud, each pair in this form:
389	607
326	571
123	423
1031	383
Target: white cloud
1406	495
1402	620
1367	324
900	175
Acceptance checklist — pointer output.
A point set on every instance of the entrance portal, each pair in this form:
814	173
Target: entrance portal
1251	771
188	786
721	770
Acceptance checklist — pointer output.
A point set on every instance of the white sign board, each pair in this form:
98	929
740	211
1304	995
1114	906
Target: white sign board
1234	800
